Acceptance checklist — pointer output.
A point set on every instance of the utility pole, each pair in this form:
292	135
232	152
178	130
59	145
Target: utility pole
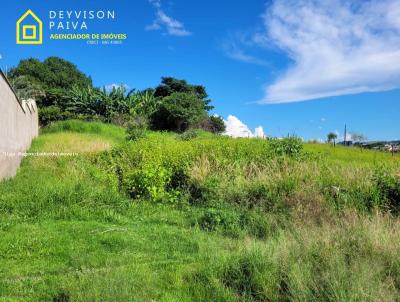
345	134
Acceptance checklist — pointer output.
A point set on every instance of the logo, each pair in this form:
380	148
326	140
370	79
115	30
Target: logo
29	29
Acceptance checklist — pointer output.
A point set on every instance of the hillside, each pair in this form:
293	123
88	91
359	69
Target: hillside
205	218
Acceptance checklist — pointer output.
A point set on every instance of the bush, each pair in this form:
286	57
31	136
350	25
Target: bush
48	115
136	129
188	135
122	120
217	219
388	186
291	146
214	124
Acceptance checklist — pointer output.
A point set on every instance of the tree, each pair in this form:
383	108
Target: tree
214	124
178	111
217	124
26	89
52	73
142	103
332	137
53	78
171	85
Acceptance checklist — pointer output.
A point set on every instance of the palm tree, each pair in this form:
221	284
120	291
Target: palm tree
142	103
332	137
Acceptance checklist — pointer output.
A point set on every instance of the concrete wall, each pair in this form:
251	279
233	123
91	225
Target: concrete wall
18	126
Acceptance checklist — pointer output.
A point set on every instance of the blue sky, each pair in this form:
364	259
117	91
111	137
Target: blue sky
268	63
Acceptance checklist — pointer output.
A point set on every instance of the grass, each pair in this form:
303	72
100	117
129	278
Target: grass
204	219
355	155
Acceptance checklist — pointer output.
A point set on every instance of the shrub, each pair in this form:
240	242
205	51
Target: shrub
188	135
291	146
122	119
153	182
214	124
218	219
48	115
136	129
389	188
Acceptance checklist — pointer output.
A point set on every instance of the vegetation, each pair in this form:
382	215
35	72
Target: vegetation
136	129
204	218
178	112
63	92
332	138
124	213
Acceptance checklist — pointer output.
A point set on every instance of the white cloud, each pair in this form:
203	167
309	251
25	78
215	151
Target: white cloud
238	55
259	132
234	48
236	128
155	3
338	47
340	136
110	87
162	21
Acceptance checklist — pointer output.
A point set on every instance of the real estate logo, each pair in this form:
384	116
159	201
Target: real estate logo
29	29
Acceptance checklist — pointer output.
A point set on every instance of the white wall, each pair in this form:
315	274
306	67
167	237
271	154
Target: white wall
18	126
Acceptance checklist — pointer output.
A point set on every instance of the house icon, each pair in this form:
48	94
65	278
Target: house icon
29	29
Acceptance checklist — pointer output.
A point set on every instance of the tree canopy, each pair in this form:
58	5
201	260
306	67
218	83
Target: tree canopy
171	85
332	137
178	111
52	73
62	91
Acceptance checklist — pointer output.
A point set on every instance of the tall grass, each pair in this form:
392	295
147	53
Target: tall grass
204	218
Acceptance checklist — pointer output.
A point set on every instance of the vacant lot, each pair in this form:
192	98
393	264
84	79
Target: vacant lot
202	218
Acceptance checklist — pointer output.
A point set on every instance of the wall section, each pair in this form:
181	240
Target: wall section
18	126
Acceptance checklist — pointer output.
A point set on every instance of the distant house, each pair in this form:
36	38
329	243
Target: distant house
392	148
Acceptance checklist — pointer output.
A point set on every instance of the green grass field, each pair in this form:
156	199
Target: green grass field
205	219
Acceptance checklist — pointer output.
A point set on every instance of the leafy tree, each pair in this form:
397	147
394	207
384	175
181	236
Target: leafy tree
52	73
332	137
171	85
25	88
217	124
49	80
56	83
32	69
178	111
214	124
